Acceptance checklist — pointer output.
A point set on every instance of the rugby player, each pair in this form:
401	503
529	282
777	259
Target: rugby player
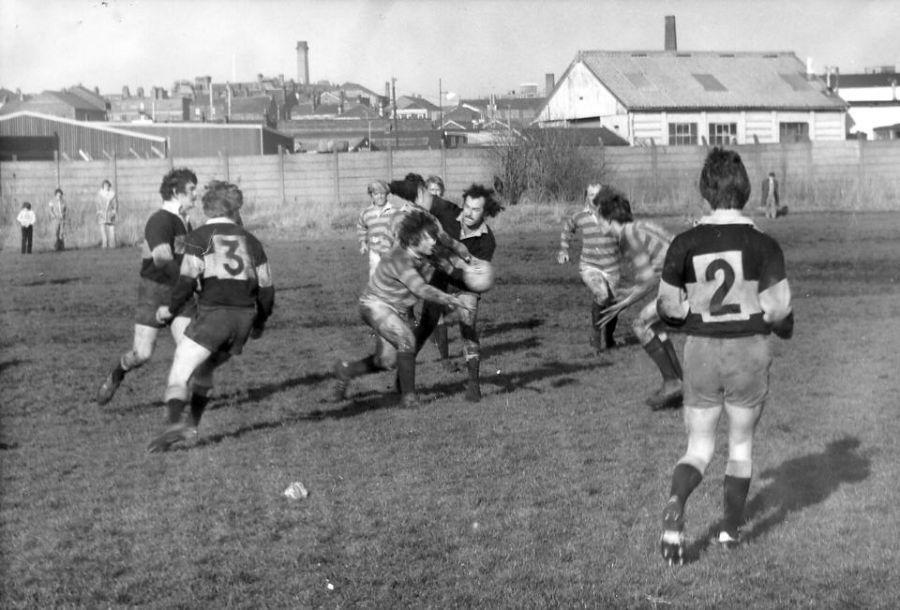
162	250
468	226
227	265
598	265
386	306
373	227
724	284
645	243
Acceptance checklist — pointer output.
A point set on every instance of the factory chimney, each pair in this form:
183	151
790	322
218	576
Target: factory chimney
549	83
302	62
671	40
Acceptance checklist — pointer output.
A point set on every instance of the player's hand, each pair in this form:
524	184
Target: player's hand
256	332
363	248
163	314
457	303
562	257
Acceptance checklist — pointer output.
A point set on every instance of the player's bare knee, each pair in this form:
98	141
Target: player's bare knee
698	461
136	358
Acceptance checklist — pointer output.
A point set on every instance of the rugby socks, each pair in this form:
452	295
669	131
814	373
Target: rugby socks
596	333
610	327
442	341
669	348
473	389
658	353
406	372
685	479
175	406
736	489
198	405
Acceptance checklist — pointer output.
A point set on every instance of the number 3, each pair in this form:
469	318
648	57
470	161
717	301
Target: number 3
231	254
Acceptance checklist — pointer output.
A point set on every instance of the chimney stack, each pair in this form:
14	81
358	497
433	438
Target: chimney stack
549	83
671	40
303	62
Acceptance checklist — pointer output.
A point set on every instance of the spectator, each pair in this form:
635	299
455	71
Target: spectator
107	211
26	220
770	201
58	215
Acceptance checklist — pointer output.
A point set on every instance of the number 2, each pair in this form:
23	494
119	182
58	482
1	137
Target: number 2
717	306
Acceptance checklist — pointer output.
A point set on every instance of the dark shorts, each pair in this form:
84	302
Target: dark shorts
221	329
150	296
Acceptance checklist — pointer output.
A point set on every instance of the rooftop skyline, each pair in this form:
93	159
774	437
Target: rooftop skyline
474	47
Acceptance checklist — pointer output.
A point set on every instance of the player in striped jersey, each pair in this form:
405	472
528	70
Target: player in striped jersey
229	269
373	227
724	283
646	244
386	305
598	264
161	253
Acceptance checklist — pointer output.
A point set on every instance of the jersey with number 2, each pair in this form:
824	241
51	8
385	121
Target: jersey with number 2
724	269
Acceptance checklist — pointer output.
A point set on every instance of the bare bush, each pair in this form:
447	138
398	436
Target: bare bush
547	164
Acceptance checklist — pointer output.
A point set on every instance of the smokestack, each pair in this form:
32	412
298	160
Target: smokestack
809	68
671	40
303	62
549	83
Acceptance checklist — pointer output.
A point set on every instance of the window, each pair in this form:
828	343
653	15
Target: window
797	81
638	80
793	132
709	82
722	133
682	133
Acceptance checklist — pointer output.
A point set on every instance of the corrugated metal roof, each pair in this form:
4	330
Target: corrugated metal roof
875	79
87	126
657	80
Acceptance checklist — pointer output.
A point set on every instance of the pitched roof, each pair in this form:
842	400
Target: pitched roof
655	80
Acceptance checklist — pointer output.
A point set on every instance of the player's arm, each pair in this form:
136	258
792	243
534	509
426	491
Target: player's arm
565	239
158	235
416	284
457	247
265	298
775	294
672	303
192	266
362	231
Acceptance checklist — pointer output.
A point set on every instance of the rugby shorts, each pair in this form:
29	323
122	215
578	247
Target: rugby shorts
720	371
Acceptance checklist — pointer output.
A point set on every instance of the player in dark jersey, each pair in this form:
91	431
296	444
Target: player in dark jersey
645	243
386	306
162	250
468	226
724	284
227	265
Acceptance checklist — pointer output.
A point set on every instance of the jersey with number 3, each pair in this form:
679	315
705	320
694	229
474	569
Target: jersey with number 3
230	265
733	276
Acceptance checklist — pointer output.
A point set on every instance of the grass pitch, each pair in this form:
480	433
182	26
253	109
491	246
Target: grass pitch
546	494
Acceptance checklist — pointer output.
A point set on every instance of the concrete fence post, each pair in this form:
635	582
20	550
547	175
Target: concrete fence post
281	173
337	179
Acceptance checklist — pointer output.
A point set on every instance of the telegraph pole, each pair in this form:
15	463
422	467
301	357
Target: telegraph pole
394	98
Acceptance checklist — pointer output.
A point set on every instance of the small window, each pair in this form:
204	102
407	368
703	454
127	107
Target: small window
793	132
722	133
681	134
638	80
797	81
709	82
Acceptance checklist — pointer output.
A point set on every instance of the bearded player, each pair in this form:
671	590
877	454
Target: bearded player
598	265
162	251
724	283
646	244
386	306
228	267
469	226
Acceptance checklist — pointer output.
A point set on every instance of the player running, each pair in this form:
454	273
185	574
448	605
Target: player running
162	250
228	267
373	226
724	283
645	243
598	265
386	306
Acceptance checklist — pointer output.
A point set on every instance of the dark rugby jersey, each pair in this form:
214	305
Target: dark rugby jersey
725	278
231	267
479	242
163	227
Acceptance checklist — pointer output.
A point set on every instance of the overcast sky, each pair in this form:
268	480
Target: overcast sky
475	47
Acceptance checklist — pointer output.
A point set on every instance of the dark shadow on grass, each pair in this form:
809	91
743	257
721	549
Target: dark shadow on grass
8	364
522	380
56	282
793	486
497	349
495	329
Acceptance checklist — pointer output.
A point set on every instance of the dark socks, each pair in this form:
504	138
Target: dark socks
442	341
685	479
198	405
736	489
406	372
669	348
174	406
657	352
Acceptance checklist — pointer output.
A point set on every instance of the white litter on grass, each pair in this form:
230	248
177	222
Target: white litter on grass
296	491
329	586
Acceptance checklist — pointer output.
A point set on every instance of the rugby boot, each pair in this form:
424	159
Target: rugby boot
669	396
108	388
342	380
728	540
671	542
175	433
409	401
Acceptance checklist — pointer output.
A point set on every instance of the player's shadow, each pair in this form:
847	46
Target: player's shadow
794	485
55	282
490	330
9	364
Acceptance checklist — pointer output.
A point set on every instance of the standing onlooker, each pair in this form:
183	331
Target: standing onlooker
599	264
373	227
161	255
724	283
770	200
107	211
58	215
26	220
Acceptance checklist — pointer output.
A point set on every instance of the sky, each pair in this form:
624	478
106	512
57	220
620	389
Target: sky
466	47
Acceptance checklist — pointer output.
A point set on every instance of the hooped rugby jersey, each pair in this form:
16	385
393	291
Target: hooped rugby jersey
373	228
725	278
647	243
599	245
163	228
231	267
398	281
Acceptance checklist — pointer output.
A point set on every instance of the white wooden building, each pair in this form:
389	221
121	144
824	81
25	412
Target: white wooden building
688	98
873	99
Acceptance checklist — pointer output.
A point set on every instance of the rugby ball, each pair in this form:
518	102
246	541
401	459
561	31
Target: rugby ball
479	275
